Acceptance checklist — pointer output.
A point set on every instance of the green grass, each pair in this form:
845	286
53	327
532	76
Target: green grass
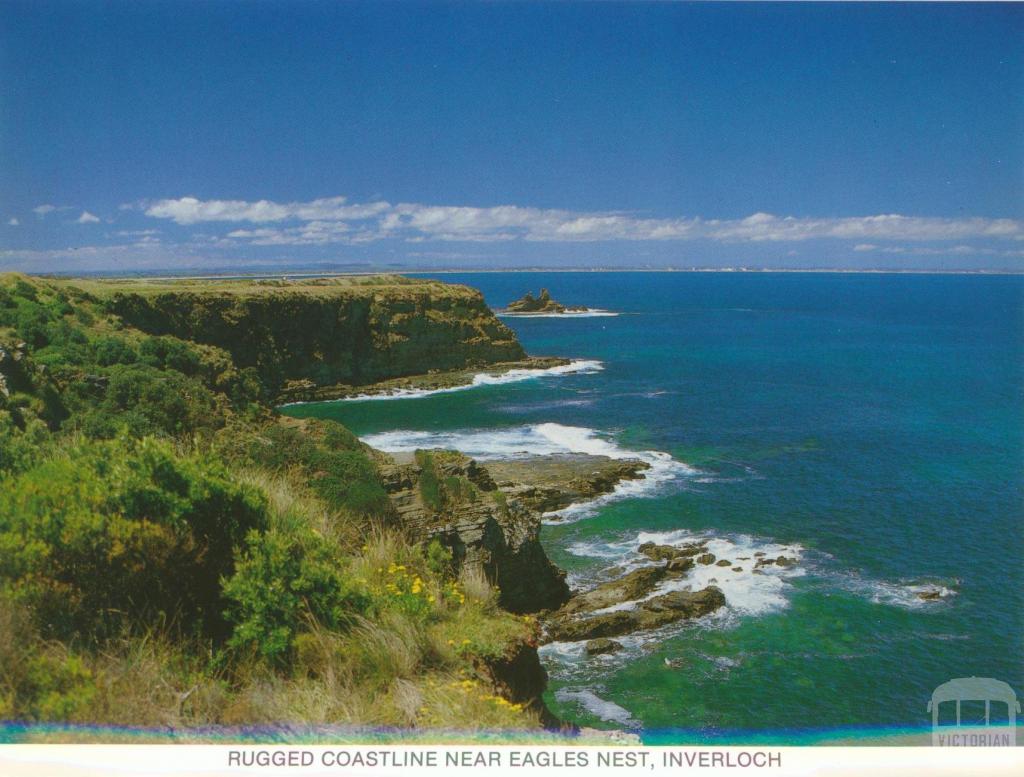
251	287
174	554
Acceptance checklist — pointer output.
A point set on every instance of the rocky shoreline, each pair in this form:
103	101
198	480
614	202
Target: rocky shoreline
595	615
552	482
297	391
490	515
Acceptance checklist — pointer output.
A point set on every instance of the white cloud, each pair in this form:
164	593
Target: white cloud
189	210
12	222
87	218
954	250
137	232
335	220
42	210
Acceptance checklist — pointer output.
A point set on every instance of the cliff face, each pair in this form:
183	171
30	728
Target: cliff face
448	496
305	335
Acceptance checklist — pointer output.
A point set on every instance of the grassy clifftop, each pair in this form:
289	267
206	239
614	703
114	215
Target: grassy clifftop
174	554
319	333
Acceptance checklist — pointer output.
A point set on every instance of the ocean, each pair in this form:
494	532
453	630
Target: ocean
870	426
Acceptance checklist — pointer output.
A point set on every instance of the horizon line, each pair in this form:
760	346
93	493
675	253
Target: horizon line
228	273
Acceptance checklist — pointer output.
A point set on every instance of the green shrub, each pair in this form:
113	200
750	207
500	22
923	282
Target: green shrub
31	325
114	350
442	492
459	490
116	534
285	580
22	437
439	559
330	457
348	479
57	687
430	485
170	353
140	400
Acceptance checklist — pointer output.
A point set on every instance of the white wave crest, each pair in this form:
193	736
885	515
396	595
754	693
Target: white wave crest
540	440
662	468
908	595
577	366
594	704
588	313
748	588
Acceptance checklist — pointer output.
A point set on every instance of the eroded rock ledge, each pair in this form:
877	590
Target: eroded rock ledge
490	515
555	481
589	615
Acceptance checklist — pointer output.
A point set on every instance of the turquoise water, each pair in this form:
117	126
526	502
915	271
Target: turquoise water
871	426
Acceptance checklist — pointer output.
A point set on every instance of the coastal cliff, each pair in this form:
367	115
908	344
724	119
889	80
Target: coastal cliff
320	337
395	592
448	496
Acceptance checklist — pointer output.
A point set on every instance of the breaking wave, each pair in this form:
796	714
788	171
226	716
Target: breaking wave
595	705
577	366
910	595
540	440
588	313
749	589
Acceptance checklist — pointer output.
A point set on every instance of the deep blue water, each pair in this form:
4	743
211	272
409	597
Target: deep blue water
870	425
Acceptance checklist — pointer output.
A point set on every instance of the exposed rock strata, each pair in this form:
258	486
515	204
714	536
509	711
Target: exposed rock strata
646	615
487	531
494	523
590	615
553	482
302	336
627	588
522	679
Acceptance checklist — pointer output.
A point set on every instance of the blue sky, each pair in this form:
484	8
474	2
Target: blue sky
208	135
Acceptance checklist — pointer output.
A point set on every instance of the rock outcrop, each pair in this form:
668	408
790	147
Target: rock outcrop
489	516
602	646
541	304
627	588
20	373
555	481
646	615
307	390
595	614
657	552
448	496
522	679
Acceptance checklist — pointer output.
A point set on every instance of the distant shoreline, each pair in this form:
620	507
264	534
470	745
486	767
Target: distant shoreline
284	273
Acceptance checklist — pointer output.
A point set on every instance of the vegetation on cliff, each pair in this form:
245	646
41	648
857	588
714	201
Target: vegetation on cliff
321	333
173	553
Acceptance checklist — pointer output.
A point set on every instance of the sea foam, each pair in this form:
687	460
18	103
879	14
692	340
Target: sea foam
539	440
904	594
575	367
747	592
594	704
588	313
